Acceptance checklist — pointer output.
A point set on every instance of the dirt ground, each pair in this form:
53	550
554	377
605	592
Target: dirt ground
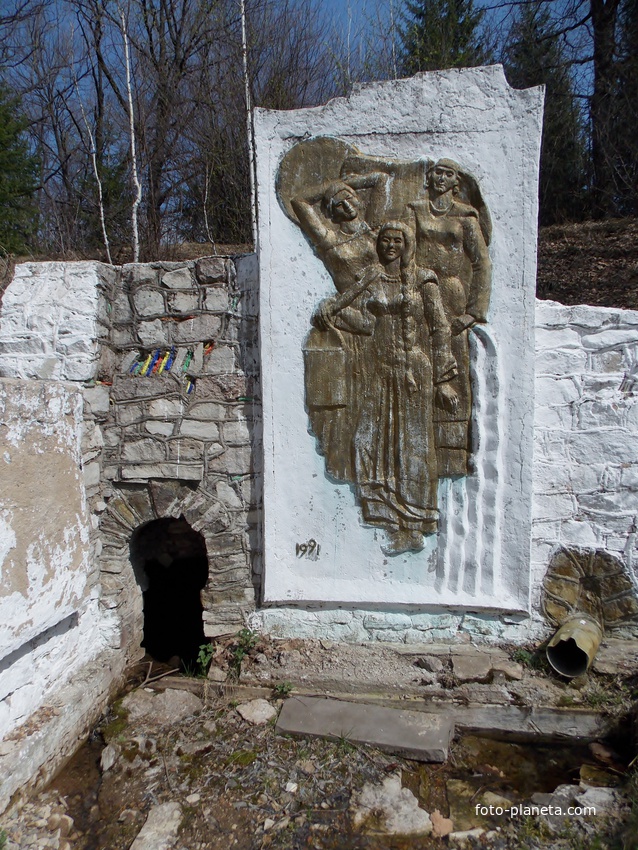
241	785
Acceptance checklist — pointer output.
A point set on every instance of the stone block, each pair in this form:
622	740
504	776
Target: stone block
236	433
220	361
565	362
228	496
152	333
122	309
225	544
184	449
216	299
551	339
608	361
235	461
616	445
550	478
177	471
97	399
200	429
613	338
618	504
413	734
601	413
224	387
143	450
210	269
198	329
207	410
183	302
149	302
166	407
552	445
629	477
91	474
178	279
474	667
386	621
553	418
138	274
551	391
548	506
128	414
600	383
578	533
586	478
162	429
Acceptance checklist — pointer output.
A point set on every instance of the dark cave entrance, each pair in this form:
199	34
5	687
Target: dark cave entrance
171	567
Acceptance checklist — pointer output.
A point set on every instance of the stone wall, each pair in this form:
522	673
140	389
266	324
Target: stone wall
180	420
586	433
138	444
48	595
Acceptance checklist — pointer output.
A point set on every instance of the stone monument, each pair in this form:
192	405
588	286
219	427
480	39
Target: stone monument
397	260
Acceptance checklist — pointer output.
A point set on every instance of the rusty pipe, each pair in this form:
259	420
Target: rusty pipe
574	646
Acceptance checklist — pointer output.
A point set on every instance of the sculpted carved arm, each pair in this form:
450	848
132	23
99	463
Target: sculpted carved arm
312	222
481	285
338	310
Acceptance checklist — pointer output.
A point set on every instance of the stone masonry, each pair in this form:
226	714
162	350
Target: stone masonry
586	434
166	357
178	425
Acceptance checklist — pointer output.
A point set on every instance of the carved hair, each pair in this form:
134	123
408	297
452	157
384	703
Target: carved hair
332	190
408	235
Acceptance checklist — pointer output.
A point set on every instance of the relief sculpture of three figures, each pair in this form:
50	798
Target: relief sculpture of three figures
387	363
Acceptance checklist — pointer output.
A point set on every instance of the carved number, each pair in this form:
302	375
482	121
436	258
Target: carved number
310	550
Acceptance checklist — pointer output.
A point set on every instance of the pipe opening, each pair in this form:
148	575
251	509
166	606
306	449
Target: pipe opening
574	646
568	659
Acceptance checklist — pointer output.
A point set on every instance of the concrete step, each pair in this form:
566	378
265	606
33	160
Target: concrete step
413	734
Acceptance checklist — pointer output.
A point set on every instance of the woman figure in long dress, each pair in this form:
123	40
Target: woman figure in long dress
397	305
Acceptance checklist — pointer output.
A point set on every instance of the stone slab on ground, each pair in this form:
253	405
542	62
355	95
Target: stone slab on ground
160	830
524	724
414	734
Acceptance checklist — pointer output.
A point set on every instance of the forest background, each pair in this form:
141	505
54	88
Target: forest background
123	123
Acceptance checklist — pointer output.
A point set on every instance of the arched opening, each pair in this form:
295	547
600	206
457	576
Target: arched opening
171	567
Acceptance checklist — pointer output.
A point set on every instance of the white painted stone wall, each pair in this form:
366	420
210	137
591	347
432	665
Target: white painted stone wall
53	318
55	637
49	620
480	557
586	433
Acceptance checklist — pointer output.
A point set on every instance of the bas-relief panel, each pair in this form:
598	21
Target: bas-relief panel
396	338
387	357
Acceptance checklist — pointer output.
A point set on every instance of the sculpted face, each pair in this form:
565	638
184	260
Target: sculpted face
345	206
443	178
391	245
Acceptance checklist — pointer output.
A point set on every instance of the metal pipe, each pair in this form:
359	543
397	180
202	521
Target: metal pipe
574	646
